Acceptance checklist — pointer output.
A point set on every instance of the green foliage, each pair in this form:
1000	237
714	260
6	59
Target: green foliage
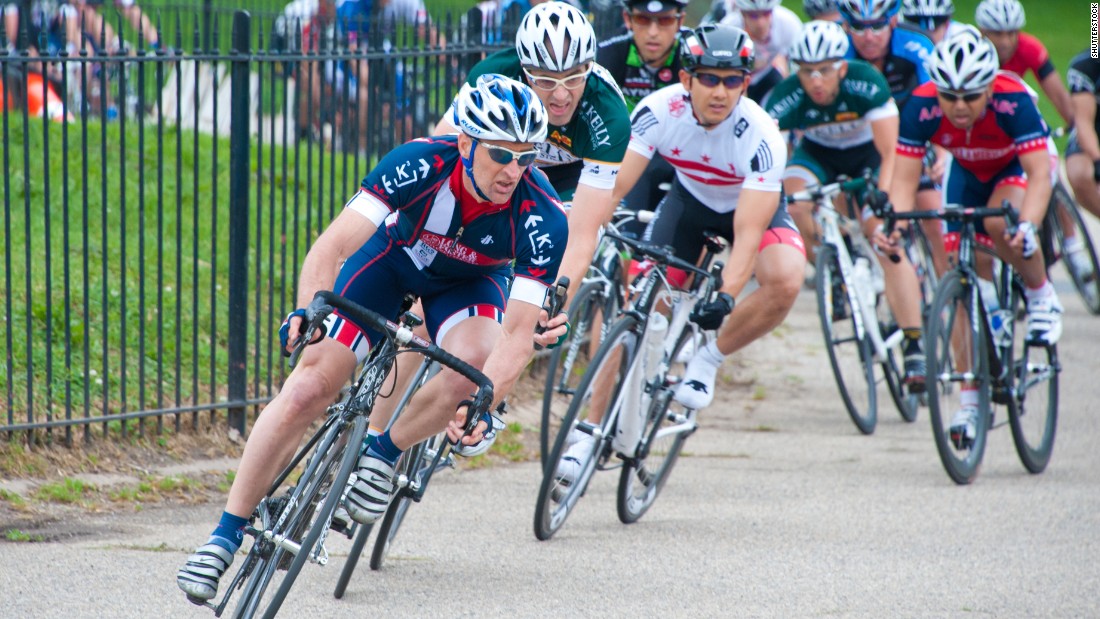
12	498
15	535
68	490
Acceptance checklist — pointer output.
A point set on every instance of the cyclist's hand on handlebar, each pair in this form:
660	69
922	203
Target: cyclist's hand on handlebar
456	428
554	329
710	314
291	331
1023	238
889	245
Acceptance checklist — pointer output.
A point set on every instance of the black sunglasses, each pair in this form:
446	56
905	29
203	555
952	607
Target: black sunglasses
711	80
969	97
873	26
643	20
504	156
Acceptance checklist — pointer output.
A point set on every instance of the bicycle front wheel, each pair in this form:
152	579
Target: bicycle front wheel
1067	221
668	424
1033	406
592	309
322	491
957	352
418	470
598	397
362	534
849	354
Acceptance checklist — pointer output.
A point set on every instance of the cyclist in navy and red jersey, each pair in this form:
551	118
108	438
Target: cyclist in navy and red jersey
1020	52
990	124
441	218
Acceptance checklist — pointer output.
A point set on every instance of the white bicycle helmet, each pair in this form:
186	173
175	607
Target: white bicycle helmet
756	5
867	10
555	36
1000	15
813	8
913	10
820	41
500	108
963	63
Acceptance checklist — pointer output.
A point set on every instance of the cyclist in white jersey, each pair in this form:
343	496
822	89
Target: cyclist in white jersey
773	29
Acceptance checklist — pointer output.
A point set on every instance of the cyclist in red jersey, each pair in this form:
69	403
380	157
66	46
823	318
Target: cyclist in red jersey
1019	52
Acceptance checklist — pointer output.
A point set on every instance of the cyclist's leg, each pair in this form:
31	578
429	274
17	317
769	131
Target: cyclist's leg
804	170
1081	172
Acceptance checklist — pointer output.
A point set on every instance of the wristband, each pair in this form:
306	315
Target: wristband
563	337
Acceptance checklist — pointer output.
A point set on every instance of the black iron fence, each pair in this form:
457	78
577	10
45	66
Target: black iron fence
158	202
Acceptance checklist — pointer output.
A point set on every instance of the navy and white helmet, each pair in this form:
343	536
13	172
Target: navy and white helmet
756	5
963	63
1000	15
500	108
820	41
913	10
813	8
867	10
555	36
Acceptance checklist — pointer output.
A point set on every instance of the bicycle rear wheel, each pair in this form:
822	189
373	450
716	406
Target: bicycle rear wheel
322	491
667	427
957	352
592	309
850	355
1033	407
598	393
1086	281
362	534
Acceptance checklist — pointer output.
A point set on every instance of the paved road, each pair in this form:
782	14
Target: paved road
780	509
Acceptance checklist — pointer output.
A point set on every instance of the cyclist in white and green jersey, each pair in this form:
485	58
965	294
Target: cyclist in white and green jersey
849	123
589	125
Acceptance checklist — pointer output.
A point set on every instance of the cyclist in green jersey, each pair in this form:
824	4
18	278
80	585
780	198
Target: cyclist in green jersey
849	123
589	125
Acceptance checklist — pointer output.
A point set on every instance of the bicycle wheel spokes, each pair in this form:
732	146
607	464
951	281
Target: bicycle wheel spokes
957	363
1067	220
593	409
1033	408
591	311
667	427
849	354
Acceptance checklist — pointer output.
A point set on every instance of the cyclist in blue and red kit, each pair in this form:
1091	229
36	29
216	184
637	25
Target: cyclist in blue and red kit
988	121
470	226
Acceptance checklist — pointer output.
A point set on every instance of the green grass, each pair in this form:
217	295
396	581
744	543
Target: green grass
15	535
68	490
12	498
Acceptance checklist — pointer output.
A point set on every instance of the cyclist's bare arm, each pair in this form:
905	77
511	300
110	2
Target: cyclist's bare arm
344	236
444	126
632	168
755	210
1056	91
592	208
1084	115
903	187
884	132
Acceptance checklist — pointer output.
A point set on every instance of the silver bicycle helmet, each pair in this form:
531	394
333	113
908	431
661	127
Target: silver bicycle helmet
500	108
813	8
555	36
820	41
756	5
867	10
963	63
913	10
1000	15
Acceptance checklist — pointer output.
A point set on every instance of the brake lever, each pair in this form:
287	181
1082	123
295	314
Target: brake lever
555	301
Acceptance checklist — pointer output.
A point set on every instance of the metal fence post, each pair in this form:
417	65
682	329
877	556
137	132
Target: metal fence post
238	220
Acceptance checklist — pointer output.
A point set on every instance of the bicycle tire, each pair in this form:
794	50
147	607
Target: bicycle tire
949	314
362	534
1033	407
257	581
1087	287
644	476
332	477
853	366
417	467
556	499
594	301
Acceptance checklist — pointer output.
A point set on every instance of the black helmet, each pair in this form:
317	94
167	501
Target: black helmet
717	46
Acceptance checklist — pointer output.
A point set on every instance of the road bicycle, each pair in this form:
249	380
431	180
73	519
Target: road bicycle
862	337
1063	215
592	310
970	344
625	397
291	524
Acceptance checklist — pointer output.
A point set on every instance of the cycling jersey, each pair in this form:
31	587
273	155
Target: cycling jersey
864	97
785	30
904	63
353	18
744	150
1084	77
1030	55
595	138
636	79
1010	126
